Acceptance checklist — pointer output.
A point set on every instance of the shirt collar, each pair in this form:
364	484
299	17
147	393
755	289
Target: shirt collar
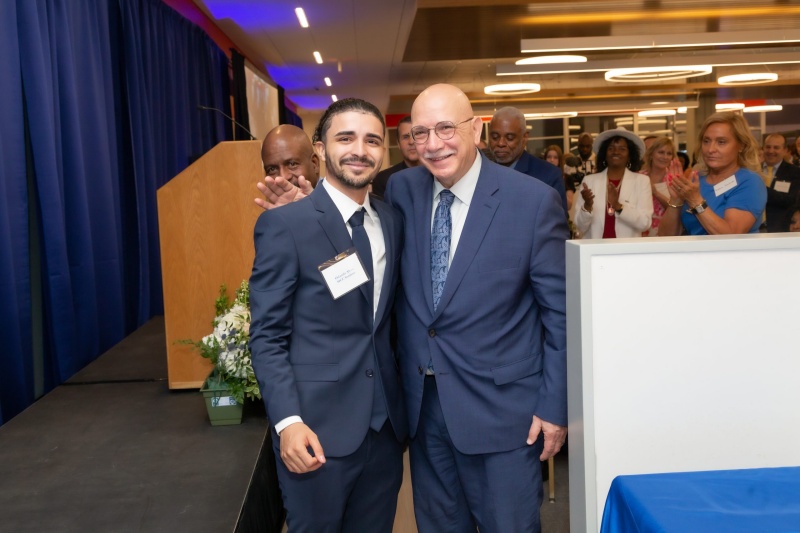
346	205
464	188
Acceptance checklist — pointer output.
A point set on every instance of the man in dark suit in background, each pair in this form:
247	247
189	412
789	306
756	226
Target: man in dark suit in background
321	292
410	157
508	137
782	181
481	326
287	153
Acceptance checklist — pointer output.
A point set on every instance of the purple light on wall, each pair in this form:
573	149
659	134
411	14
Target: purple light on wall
254	14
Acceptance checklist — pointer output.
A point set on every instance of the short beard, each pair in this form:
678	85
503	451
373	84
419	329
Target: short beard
349	182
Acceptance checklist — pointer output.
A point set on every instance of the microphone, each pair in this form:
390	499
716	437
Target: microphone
205	108
572	161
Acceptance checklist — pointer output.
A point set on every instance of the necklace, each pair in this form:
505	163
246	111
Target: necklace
609	208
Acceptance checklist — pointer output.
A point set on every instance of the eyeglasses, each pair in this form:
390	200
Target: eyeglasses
444	130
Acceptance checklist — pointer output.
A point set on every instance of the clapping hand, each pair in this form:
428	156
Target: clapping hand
588	198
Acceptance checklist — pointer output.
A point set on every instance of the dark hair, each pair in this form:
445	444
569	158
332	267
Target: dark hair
343	106
405	120
684	157
634	157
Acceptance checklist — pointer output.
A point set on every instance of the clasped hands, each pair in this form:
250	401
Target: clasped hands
684	187
612	197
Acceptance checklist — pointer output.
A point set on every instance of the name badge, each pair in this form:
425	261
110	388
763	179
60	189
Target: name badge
725	185
343	273
781	186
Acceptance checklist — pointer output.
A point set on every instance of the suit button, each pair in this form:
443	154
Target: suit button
369	373
431	332
419	369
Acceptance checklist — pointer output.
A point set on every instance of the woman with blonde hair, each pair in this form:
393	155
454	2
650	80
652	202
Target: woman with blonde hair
661	165
725	195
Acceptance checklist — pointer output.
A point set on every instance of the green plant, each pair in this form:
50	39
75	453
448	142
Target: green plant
227	346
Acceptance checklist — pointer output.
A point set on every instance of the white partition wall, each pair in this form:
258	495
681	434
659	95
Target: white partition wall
683	355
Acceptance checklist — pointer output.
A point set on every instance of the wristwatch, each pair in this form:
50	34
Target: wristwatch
696	210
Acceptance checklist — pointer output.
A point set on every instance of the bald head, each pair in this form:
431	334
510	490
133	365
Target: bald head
448	107
585	142
287	152
508	135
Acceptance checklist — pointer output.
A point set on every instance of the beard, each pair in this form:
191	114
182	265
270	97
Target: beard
347	177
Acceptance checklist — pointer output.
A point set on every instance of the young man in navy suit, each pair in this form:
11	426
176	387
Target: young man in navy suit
321	292
481	326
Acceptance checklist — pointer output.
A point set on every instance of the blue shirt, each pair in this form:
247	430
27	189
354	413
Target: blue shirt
749	194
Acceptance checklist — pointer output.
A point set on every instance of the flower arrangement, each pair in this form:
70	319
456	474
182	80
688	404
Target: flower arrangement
227	346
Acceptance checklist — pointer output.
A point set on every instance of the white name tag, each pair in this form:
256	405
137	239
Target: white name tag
222	401
781	186
343	273
725	185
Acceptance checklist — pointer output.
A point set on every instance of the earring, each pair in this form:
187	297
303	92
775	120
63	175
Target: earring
628	165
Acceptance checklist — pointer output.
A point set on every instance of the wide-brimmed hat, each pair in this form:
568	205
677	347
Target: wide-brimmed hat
619	132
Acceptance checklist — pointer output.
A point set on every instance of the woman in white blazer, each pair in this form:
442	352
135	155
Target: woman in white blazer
618	201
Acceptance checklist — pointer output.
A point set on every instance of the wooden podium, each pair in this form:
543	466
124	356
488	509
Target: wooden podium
206	216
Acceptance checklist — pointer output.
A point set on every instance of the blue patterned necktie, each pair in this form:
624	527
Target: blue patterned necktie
440	244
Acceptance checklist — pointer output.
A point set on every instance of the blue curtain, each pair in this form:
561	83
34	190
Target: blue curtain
16	381
111	91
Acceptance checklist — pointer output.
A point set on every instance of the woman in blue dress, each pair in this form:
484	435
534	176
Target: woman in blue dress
725	195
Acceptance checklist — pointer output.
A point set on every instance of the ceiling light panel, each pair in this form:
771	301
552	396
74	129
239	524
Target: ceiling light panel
752	78
511	89
650	74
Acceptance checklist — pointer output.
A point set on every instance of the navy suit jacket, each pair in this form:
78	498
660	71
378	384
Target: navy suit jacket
780	203
543	171
315	356
498	336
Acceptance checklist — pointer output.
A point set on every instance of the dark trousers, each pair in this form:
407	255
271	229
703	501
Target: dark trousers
458	493
356	493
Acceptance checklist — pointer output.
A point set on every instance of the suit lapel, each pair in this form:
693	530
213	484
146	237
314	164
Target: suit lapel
387	227
479	218
330	219
422	205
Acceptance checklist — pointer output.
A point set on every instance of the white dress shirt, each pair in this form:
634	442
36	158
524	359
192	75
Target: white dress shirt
463	191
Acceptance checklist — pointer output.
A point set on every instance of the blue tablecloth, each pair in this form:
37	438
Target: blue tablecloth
755	500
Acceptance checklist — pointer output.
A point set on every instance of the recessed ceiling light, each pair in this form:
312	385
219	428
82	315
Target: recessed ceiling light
334	98
317	57
729	106
656	113
301	17
648	74
553	114
551	60
328	81
751	78
764	108
673	40
510	89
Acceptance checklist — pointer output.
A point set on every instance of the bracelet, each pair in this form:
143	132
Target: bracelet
675	206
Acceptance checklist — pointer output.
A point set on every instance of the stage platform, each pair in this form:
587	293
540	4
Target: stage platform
114	449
